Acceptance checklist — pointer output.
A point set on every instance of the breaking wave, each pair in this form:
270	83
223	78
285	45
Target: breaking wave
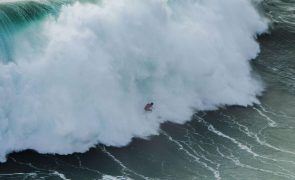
82	77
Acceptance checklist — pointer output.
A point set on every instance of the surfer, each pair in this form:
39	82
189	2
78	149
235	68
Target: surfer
149	106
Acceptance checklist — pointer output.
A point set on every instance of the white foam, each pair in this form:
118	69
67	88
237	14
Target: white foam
84	78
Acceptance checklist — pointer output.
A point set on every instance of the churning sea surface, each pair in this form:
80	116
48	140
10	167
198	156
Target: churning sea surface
223	140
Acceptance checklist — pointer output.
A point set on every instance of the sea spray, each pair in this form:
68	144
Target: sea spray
84	77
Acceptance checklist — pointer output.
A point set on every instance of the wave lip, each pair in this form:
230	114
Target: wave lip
84	78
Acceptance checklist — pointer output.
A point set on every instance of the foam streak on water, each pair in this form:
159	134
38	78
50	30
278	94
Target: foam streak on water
244	129
125	169
194	157
260	158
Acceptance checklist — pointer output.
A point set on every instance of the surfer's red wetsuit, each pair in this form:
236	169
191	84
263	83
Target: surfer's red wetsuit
149	107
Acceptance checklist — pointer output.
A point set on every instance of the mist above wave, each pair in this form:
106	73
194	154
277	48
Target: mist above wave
83	78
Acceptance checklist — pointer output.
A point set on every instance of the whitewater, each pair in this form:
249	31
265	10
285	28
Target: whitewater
82	77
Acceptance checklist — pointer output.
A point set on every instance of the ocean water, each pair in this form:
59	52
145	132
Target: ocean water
74	77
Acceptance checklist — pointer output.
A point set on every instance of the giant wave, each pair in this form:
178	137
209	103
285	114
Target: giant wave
83	77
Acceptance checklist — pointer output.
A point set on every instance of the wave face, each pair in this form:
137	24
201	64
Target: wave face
83	78
15	16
